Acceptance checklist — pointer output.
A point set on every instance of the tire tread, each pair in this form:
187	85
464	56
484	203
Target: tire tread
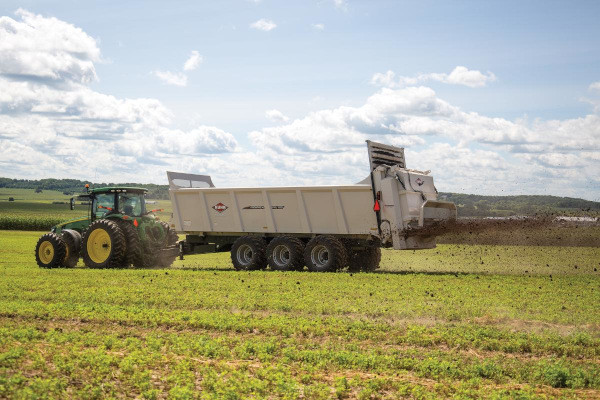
260	257
116	258
297	253
336	249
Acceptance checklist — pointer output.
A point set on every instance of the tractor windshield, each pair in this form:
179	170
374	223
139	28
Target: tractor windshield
132	204
103	204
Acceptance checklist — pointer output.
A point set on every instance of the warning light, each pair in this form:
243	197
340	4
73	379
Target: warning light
135	223
376	207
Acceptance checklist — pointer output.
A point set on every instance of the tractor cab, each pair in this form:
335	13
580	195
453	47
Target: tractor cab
124	201
113	200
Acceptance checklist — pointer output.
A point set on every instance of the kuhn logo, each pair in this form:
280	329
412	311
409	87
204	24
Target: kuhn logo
220	207
420	181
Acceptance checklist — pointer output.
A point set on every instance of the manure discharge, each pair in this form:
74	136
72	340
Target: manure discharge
532	231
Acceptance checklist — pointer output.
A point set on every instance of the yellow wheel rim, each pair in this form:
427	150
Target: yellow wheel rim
46	252
98	245
66	251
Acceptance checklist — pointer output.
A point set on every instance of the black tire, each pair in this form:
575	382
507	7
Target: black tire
134	252
366	259
104	245
171	239
72	241
249	253
285	253
50	251
325	253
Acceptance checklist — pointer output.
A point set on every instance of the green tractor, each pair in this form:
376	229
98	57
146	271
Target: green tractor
118	232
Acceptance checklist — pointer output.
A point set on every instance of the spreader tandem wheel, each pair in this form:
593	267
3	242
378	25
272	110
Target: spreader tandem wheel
325	253
104	245
50	251
285	253
248	253
366	259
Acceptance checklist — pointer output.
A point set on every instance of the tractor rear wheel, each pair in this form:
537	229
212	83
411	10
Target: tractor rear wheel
72	241
50	251
104	245
285	253
325	253
249	253
133	253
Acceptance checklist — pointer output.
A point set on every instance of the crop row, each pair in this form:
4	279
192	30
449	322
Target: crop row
27	223
155	361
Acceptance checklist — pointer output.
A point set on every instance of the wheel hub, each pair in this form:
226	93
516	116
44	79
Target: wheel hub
319	255
281	255
244	254
46	252
99	246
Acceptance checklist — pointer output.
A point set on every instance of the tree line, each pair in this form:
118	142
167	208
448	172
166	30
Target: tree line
75	186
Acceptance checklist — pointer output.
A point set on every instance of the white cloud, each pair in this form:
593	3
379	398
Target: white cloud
180	78
459	76
171	78
472	78
386	79
318	27
467	151
341	4
201	140
595	86
263	25
56	125
193	61
276	116
35	47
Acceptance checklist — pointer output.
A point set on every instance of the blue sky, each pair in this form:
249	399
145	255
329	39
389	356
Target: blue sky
532	68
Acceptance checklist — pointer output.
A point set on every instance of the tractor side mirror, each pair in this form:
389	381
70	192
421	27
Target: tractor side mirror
72	203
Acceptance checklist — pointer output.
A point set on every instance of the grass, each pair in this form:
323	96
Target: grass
435	323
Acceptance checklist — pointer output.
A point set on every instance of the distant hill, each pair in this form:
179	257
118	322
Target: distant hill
469	205
472	205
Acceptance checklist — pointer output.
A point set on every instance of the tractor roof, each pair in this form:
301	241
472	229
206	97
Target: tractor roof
113	189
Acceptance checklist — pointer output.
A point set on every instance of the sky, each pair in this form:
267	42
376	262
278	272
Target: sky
495	98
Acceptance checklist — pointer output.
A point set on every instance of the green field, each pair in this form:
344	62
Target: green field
457	321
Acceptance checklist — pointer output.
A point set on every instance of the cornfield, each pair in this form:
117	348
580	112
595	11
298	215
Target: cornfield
28	223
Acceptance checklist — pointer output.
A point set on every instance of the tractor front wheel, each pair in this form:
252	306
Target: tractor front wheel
103	245
50	251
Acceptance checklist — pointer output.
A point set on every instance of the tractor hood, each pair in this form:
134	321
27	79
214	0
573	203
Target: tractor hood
78	224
